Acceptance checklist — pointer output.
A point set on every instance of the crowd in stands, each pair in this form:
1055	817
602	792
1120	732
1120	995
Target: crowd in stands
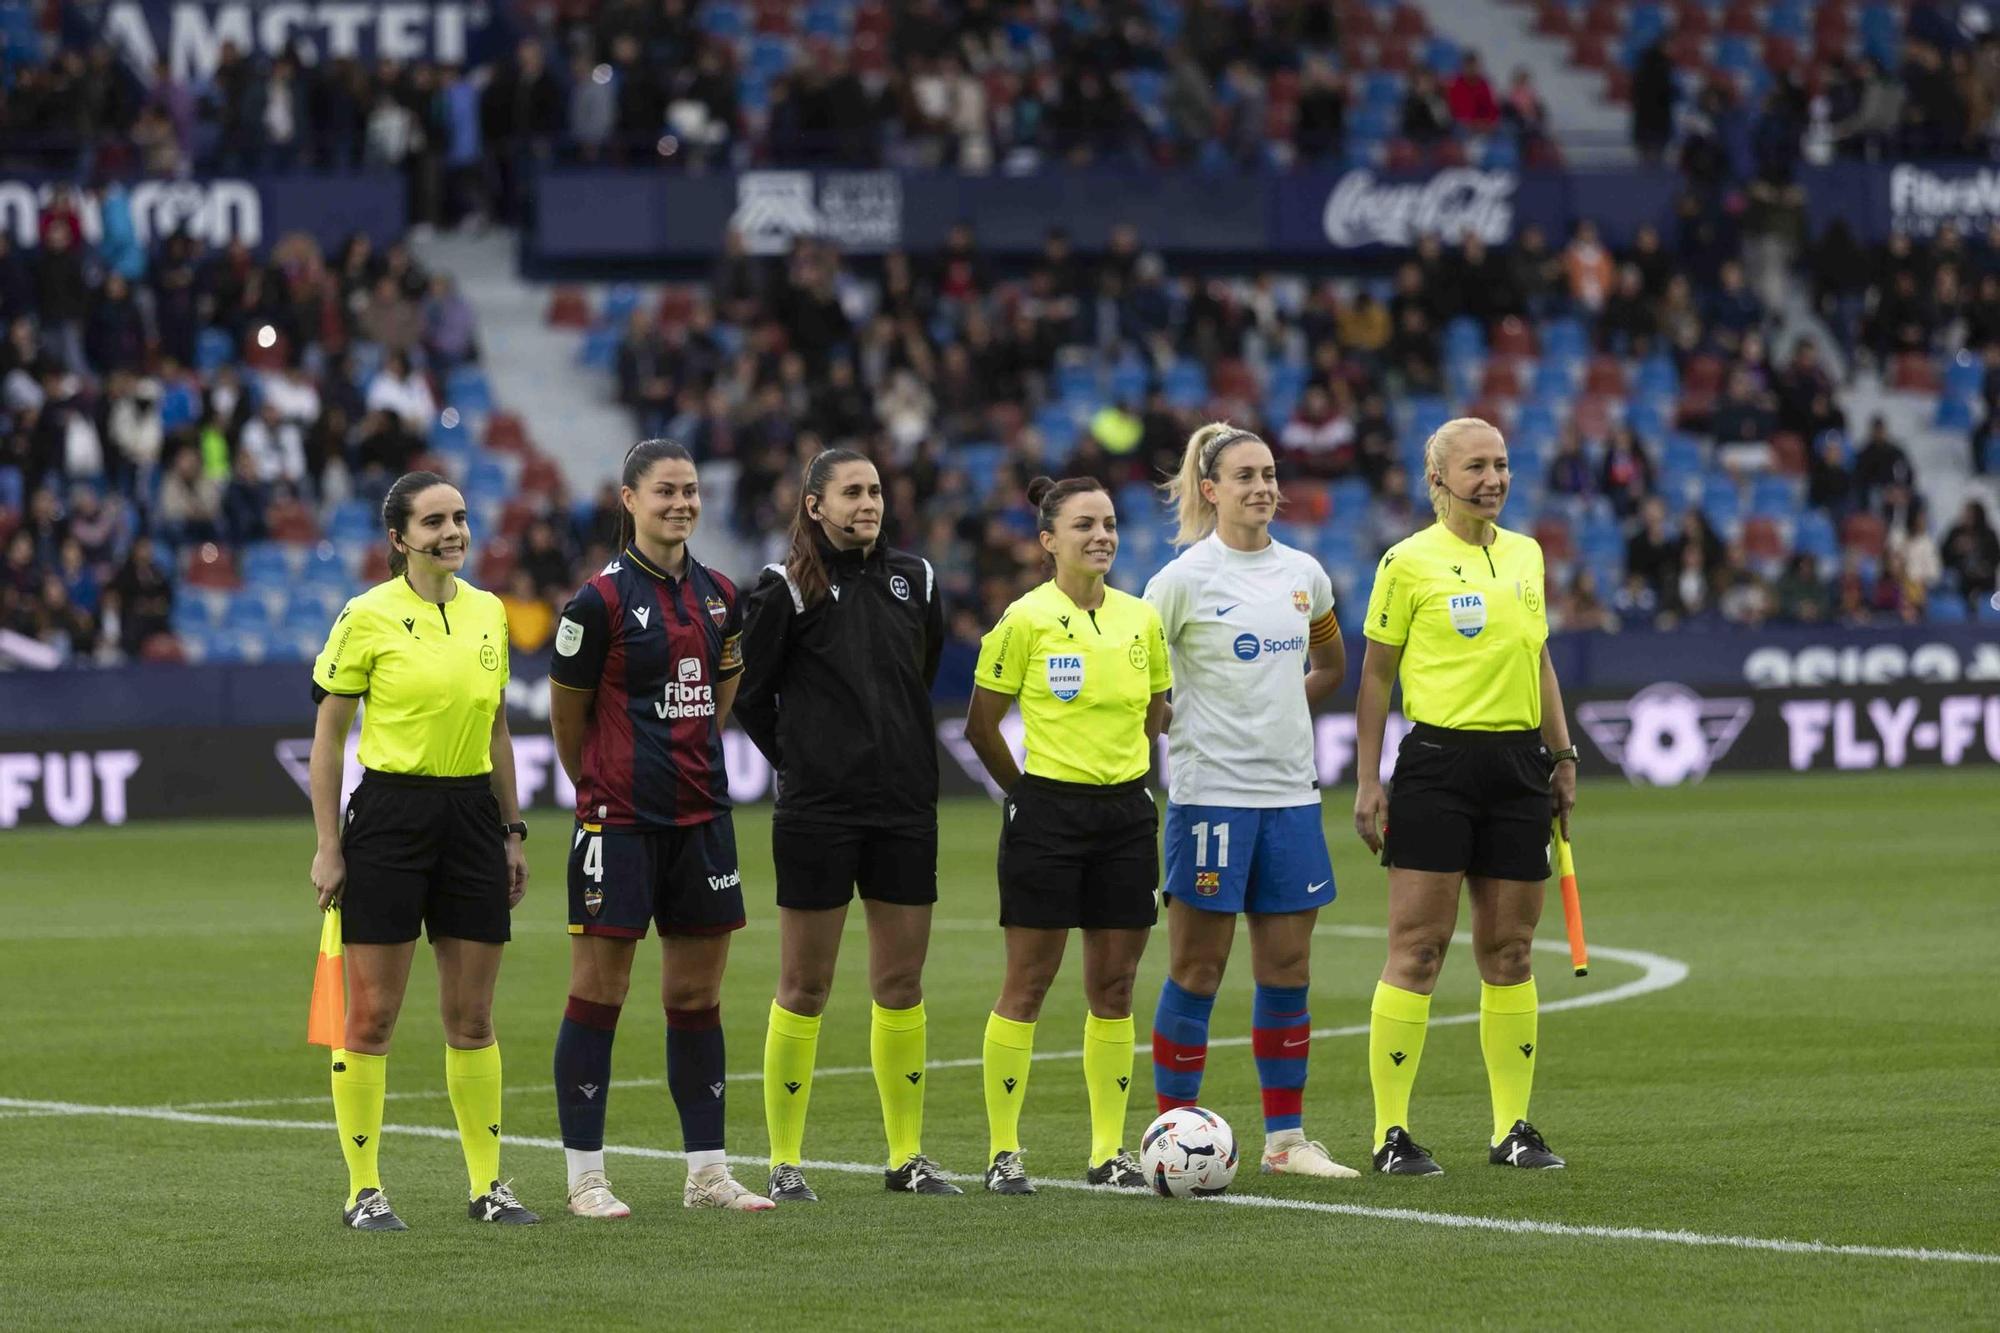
972	86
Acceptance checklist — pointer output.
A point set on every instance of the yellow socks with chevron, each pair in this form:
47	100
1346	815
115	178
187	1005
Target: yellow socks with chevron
1507	1039
358	1081
1107	1072
896	1049
473	1080
1396	1023
1010	1047
791	1045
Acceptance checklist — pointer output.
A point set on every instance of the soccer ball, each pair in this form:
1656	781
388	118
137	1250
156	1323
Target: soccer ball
1188	1153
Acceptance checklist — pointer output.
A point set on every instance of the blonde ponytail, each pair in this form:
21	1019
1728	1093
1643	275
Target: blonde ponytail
1437	451
1195	511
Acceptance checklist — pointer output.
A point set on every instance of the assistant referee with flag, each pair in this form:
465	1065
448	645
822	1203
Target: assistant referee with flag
432	836
1458	611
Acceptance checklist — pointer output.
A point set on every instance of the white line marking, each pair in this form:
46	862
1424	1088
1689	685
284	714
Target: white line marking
1463	1221
1656	973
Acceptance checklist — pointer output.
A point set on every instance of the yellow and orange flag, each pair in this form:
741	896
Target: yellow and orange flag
326	1025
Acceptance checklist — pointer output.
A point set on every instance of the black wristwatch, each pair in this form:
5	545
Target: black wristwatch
1568	752
518	826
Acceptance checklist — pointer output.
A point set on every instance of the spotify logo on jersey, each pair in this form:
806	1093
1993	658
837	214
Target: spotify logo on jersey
1246	647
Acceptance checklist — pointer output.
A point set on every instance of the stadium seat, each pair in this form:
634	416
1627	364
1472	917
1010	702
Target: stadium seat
467	389
1946	609
1186	384
1865	534
1953	413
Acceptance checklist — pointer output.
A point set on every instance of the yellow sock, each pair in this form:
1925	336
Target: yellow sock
791	1045
472	1078
1507	1039
1396	1023
896	1049
358	1082
1107	1072
1010	1048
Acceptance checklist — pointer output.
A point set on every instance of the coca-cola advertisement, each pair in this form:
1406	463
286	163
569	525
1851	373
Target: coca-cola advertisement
1363	210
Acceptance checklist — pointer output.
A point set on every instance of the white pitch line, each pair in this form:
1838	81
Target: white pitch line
1657	973
1518	1226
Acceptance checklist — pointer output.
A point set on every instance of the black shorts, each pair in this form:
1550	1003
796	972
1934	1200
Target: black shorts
1471	802
820	866
685	880
1073	854
423	852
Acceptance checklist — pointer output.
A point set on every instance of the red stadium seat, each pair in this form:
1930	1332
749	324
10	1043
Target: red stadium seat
1553	534
163	649
873	19
1544	155
569	308
292	523
1402	156
1617	84
1914	372
1693	18
209	566
1512	337
676	306
1308	502
1605	18
1781	54
1448	153
1864	534
539	476
497	560
1553	19
1232	378
1502	379
1589	51
1703	374
1606	375
375	563
1284	86
1763	539
505	434
1788	453
1358	23
1592	415
1393	56
1409	22
1741	20
516	517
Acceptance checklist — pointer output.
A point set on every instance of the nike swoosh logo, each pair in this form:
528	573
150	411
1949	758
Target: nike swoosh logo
1315	888
1186	1059
1225	610
1294	1045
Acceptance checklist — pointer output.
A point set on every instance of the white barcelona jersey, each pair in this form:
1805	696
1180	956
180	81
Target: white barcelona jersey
1239	624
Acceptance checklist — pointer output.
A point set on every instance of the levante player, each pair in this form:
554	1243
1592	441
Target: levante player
647	660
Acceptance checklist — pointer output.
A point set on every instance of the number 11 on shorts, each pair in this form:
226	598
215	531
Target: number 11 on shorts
1200	832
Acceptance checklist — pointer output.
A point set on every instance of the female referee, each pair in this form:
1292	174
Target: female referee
432	837
1077	846
1458	611
647	660
1255	645
840	646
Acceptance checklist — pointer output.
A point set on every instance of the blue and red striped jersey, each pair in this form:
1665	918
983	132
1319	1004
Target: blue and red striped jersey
655	648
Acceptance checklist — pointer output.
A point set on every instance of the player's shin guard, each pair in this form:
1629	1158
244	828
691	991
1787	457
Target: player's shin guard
1396	1023
1180	1045
896	1050
1281	1039
359	1081
472	1078
583	1081
791	1046
1507	1040
1107	1071
696	1078
1010	1047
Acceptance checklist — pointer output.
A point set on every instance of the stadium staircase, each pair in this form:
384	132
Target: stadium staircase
569	410
1594	132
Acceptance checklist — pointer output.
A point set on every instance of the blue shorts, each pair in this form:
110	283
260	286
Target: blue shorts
1227	858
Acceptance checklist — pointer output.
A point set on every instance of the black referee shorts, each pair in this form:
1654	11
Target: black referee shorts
1471	802
821	866
1074	854
423	852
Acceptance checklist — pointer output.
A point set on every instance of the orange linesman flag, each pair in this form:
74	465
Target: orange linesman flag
327	1023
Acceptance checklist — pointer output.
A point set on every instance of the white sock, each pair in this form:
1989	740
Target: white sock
699	1162
581	1162
1284	1138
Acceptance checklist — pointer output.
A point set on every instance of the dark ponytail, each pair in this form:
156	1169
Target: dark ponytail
639	460
396	507
1048	496
802	562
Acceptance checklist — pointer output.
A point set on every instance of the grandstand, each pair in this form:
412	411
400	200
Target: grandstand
243	410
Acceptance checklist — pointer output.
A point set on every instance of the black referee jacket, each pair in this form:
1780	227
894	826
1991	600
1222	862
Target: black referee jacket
838	695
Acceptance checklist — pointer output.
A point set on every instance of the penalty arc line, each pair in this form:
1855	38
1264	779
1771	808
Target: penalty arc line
1461	1221
1657	972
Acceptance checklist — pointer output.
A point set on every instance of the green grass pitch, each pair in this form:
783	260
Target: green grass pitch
1824	1072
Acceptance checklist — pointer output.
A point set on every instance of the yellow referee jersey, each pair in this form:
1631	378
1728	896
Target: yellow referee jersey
1084	679
432	673
1471	623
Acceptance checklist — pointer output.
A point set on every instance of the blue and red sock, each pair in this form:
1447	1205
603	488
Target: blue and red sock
695	1075
583	1071
1180	1045
1281	1038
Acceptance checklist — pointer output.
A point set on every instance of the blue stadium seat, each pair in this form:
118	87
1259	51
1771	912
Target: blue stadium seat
1554	378
600	348
1464	337
213	350
1442	55
1371	123
190	618
1186	384
468	390
1953	412
1565	336
619	303
12	487
1989	610
1813	535
728	21
1501	153
1721	502
1776	497
1351	498
770	58
1383	88
1536	418
1963	375
1648	420
353	520
325	567
487	475
265	563
1681	453
1944	608
1786	18
248	610
1657	375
